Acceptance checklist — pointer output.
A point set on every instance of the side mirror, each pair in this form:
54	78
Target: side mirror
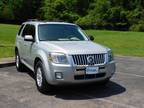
91	38
28	38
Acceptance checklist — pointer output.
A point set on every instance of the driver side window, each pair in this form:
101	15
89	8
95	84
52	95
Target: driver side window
29	30
26	30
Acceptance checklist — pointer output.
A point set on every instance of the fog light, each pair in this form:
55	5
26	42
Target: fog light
58	75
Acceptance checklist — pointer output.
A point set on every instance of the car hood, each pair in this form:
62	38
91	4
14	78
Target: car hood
74	47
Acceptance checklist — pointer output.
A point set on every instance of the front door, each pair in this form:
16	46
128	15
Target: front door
28	45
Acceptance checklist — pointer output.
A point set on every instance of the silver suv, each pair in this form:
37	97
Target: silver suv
61	53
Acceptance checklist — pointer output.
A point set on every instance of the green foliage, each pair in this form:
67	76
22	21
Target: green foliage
26	9
1	5
7	13
100	14
138	27
107	15
87	20
60	10
6	10
19	10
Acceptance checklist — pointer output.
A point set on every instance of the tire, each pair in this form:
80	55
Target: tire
40	78
19	65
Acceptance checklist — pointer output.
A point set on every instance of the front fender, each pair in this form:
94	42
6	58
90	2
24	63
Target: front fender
43	56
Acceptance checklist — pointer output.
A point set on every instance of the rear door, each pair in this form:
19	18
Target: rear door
20	40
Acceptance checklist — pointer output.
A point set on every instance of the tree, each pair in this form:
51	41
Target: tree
106	14
25	9
19	10
6	10
68	10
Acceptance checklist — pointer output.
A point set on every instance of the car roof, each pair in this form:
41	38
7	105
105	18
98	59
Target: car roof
47	22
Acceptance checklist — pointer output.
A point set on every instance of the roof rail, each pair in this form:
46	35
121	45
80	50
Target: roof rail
56	20
32	20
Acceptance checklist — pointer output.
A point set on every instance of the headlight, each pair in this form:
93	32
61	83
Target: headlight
110	56
58	58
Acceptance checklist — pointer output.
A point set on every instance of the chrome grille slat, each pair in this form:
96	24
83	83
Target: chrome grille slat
81	59
99	58
96	61
74	59
78	59
85	59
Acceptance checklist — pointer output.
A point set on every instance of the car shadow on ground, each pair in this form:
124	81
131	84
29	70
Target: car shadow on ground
84	91
29	72
91	91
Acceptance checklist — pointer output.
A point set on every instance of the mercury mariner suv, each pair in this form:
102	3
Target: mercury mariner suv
61	53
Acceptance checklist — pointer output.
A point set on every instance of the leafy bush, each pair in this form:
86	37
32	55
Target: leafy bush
138	27
99	14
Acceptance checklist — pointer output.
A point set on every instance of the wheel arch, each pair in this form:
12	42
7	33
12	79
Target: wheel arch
16	49
43	57
37	59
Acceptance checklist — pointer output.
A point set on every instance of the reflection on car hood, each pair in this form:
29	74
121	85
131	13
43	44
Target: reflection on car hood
74	47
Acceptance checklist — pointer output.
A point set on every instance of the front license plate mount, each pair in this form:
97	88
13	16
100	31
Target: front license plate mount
92	70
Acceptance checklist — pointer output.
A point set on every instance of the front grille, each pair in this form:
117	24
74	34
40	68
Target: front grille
82	59
91	76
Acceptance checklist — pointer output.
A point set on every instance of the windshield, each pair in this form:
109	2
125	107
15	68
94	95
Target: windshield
60	32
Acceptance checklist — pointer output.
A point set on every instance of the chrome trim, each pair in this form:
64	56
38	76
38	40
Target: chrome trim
81	59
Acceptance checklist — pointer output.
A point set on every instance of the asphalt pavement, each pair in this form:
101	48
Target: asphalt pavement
126	89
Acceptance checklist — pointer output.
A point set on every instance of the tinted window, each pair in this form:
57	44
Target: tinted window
29	30
60	32
26	30
32	30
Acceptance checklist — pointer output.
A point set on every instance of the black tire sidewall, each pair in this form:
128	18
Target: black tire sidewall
21	66
45	86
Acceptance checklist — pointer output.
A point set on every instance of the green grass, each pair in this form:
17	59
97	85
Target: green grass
7	39
122	43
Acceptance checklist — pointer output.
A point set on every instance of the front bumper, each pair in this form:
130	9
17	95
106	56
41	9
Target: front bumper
77	74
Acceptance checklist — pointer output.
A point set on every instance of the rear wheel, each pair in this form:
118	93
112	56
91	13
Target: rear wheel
41	82
19	65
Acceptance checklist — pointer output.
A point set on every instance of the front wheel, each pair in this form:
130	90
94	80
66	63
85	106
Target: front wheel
41	82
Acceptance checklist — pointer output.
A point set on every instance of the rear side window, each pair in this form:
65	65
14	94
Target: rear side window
20	29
